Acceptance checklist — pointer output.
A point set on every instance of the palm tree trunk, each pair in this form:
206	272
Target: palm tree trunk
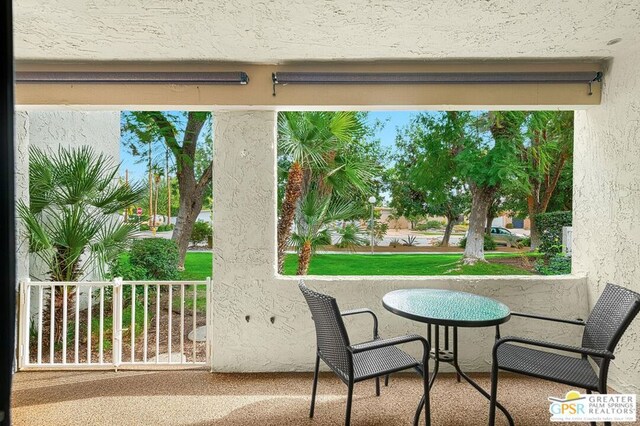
304	259
292	193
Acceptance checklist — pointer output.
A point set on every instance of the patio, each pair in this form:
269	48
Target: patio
261	340
198	397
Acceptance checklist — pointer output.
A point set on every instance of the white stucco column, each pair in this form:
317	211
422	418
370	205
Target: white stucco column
22	191
244	193
606	218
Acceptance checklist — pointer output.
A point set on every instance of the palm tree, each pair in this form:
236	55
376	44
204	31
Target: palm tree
313	225
350	236
313	143
71	221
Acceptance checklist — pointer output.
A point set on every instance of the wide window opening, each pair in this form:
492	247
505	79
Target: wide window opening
425	192
116	237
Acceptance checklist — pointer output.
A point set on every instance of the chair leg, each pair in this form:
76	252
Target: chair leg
377	386
427	404
494	393
347	420
386	380
315	387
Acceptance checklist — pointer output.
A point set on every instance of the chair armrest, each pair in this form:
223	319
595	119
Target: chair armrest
382	343
544	318
558	346
364	311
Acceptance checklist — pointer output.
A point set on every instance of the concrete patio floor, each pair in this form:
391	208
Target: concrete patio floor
197	397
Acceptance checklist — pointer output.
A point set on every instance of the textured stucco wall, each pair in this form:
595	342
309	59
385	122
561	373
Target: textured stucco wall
47	129
281	30
98	129
261	322
606	222
22	190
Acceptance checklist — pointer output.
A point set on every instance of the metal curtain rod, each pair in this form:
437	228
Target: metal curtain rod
585	77
55	77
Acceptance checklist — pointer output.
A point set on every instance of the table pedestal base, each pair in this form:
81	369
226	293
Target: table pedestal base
450	356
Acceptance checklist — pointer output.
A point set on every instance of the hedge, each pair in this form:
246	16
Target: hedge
549	227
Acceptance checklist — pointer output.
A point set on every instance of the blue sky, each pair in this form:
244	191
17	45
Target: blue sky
387	135
392	121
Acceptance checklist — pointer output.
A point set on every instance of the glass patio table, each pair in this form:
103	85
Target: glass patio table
448	309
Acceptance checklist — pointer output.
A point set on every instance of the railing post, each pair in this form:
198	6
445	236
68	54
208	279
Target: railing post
117	322
209	293
23	324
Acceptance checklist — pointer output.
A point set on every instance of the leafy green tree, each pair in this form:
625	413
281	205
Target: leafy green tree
488	160
477	156
547	156
184	134
424	180
71	221
545	152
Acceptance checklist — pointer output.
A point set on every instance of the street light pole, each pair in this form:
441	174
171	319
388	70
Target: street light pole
372	201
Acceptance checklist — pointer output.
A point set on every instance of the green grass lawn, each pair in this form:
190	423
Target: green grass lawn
398	264
198	265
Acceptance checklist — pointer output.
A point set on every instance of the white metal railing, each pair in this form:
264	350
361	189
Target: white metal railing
114	324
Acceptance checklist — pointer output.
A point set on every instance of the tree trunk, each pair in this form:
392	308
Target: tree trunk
481	199
191	189
304	258
191	199
487	229
534	235
447	231
289	205
190	207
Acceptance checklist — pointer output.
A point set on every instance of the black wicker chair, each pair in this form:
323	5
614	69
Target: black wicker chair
610	317
355	363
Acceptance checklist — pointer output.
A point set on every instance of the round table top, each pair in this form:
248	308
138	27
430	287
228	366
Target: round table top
446	307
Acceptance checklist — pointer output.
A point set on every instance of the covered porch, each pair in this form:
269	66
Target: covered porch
261	337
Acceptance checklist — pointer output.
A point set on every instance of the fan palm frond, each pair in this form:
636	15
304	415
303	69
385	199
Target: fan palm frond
70	221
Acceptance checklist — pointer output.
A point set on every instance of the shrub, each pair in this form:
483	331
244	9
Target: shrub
509	226
158	256
164	228
144	227
394	242
431	224
526	242
122	267
489	243
200	232
550	230
435	224
558	264
410	241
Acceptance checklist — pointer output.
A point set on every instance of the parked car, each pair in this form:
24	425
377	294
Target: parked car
504	236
